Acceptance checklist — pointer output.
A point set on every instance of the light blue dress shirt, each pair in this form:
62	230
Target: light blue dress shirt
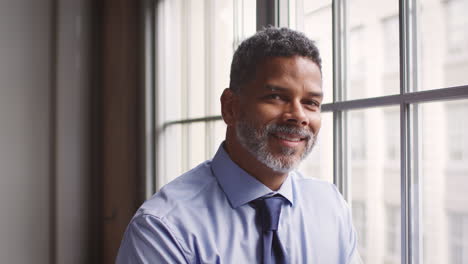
204	216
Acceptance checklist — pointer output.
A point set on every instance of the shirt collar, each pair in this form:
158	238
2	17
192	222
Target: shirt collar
239	186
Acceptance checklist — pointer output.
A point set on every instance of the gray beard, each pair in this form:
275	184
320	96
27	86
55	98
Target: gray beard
256	143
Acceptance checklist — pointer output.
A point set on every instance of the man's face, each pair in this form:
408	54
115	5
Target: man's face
279	112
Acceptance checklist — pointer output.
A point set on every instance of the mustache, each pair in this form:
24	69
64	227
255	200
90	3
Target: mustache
302	132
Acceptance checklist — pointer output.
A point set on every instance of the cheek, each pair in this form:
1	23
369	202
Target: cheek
316	123
268	112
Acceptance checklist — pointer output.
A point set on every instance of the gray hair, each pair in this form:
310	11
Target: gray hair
269	42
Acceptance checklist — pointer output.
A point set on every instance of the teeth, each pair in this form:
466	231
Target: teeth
289	138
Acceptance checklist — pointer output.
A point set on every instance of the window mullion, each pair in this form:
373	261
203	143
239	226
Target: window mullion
404	133
416	220
147	144
209	82
339	88
266	13
272	12
160	21
405	184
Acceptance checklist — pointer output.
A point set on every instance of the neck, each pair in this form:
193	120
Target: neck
244	159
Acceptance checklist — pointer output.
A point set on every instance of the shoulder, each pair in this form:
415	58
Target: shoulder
148	239
186	190
172	220
166	222
321	203
313	185
158	231
318	192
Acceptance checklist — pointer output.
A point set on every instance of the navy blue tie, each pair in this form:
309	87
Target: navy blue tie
269	210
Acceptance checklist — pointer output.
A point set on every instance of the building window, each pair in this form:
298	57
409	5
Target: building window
458	237
392	136
359	220
391	44
357	64
457	142
358	135
392	233
357	60
456	27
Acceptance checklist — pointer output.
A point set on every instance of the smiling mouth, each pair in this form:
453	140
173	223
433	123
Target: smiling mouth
289	140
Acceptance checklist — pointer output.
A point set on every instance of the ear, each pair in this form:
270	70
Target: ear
229	106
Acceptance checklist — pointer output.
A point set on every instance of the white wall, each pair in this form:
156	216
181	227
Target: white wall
26	129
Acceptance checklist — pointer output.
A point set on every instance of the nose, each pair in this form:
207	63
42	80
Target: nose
295	114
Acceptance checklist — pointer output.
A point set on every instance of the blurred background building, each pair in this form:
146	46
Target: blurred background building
103	102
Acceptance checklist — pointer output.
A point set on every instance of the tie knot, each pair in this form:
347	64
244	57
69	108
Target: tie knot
270	210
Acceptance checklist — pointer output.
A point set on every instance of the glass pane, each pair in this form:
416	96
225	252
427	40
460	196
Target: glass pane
317	25
194	64
443	42
319	163
219	134
442	177
231	22
374	168
195	43
171	161
169	60
196	144
187	145
220	53
373	66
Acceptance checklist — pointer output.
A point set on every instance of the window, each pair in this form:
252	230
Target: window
442	42
319	164
371	44
196	40
357	59
456	24
313	13
358	136
359	220
394	136
458	237
392	149
392	237
457	142
442	176
357	63
373	180
390	44
378	118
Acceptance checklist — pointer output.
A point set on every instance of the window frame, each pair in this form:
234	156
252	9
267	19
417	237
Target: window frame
407	99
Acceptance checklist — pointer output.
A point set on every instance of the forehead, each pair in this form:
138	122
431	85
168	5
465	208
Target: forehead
295	71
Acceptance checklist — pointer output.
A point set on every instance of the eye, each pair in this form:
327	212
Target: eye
311	103
274	96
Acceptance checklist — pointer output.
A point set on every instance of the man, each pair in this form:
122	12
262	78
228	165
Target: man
248	204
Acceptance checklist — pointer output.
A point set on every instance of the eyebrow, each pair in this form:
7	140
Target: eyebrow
271	87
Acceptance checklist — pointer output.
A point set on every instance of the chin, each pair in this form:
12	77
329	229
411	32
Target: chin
280	163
